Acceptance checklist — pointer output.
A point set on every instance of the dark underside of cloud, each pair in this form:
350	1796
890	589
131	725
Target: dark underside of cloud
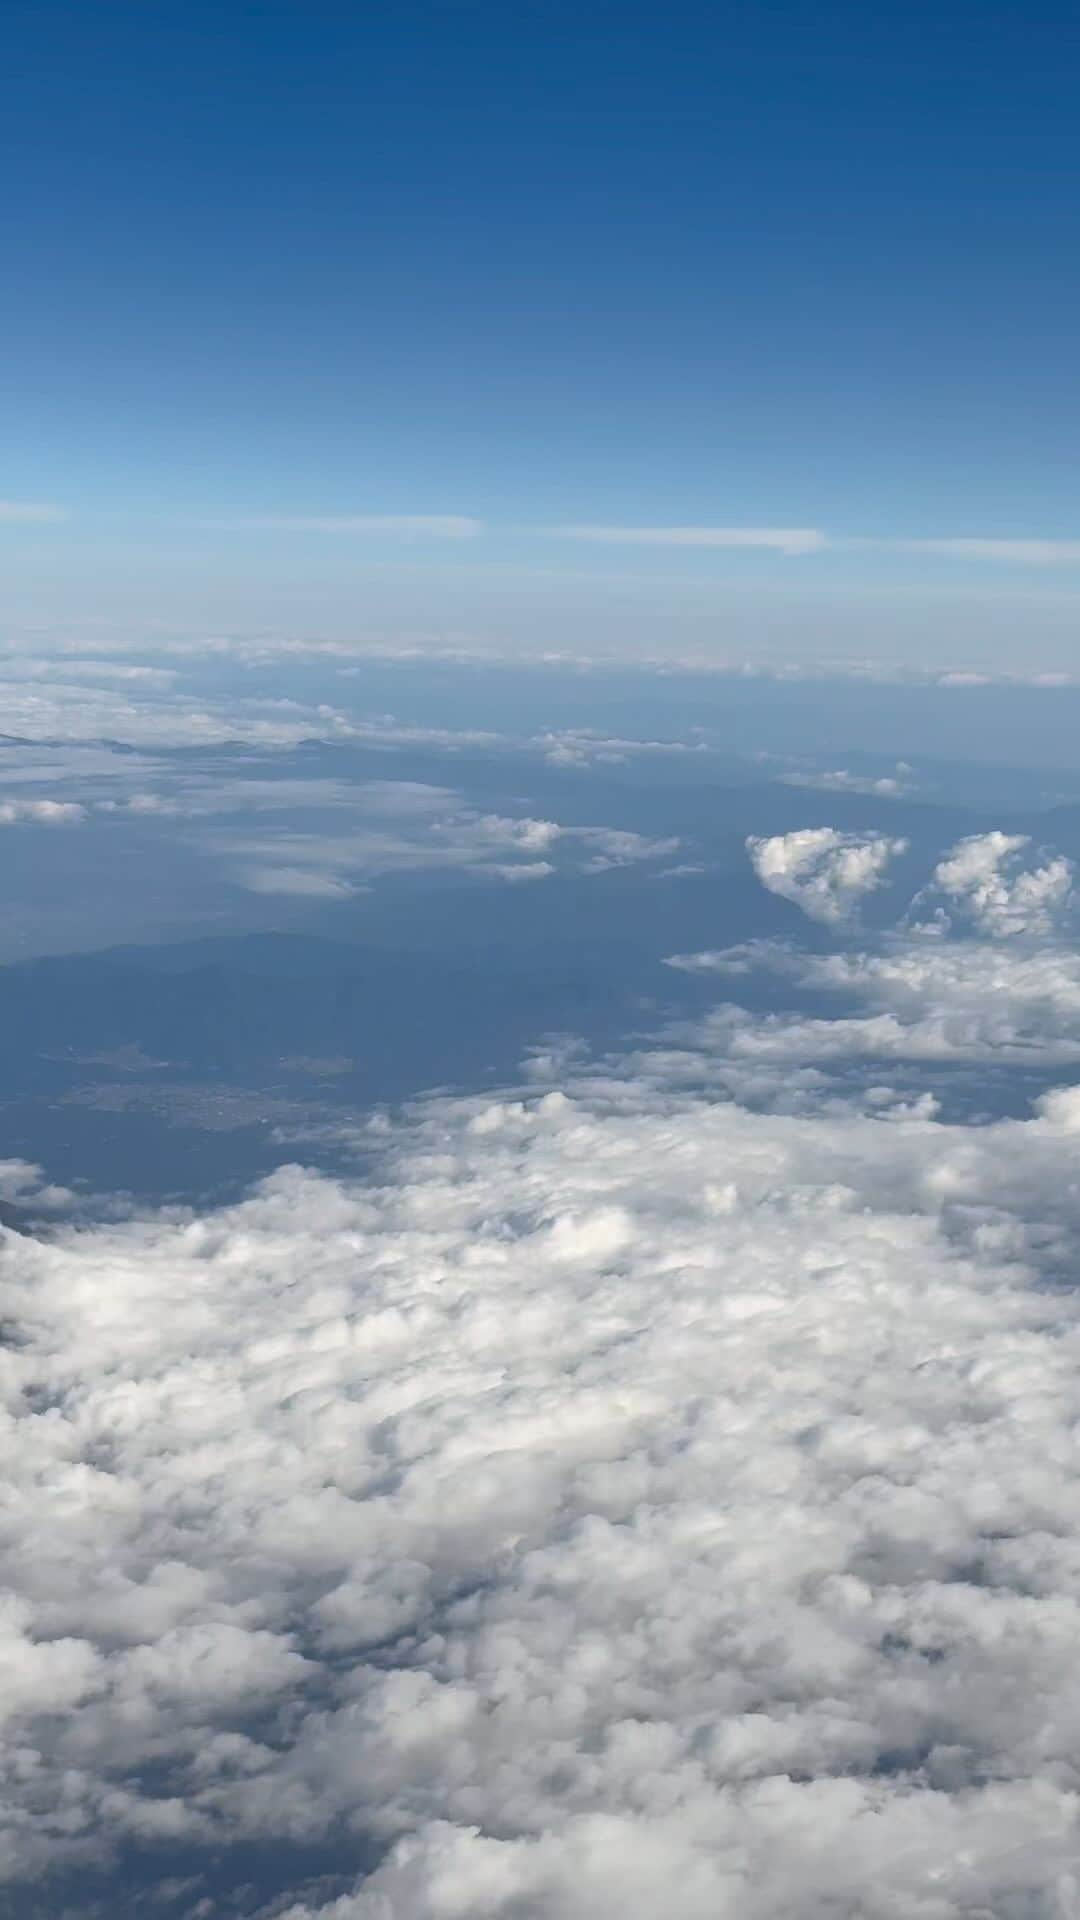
657	1492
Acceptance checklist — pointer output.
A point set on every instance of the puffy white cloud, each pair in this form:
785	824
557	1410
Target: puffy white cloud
625	1501
821	870
985	878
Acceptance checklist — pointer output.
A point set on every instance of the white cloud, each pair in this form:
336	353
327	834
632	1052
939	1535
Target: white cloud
153	715
788	540
42	813
824	872
126	672
22	513
886	786
914	999
627	1502
23	1181
583	747
984	877
529	870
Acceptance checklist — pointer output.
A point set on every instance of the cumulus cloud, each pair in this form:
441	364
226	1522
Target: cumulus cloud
984	876
625	1501
821	870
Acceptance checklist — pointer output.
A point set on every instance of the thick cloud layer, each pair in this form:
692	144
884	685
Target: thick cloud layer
632	1503
821	870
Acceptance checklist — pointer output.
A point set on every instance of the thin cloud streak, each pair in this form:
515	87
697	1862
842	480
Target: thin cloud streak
790	540
810	540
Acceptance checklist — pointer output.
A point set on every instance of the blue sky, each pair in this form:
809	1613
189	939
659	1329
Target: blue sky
336	317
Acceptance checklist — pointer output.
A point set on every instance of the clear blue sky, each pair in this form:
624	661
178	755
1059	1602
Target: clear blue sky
766	267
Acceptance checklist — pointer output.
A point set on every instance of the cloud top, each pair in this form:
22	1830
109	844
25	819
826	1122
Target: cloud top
821	870
985	879
629	1499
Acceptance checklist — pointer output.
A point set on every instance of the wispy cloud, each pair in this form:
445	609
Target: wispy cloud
29	512
770	539
808	540
438	526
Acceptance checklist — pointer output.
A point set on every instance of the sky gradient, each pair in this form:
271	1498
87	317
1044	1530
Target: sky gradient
721	331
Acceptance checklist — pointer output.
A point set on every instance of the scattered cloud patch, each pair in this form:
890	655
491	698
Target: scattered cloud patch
432	829
886	786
